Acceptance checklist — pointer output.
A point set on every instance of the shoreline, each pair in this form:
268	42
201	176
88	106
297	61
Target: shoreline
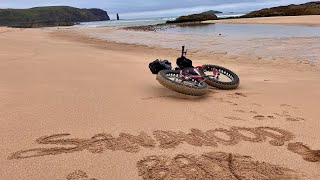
257	47
64	82
80	37
310	20
305	20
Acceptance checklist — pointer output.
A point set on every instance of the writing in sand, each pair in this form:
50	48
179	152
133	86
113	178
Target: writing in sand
212	165
162	139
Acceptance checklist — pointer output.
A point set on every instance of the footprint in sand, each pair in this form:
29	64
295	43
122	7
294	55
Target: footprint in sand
284	114
237	95
271	117
303	150
254	112
224	101
295	119
288	117
280	115
240	111
288	106
240	94
79	175
261	117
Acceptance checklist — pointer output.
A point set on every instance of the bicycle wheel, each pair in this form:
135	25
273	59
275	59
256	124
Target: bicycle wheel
220	77
171	80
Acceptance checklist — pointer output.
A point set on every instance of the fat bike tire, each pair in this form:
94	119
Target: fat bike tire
232	84
164	78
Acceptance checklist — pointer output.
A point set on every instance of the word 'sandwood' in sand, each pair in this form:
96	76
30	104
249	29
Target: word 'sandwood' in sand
166	139
213	165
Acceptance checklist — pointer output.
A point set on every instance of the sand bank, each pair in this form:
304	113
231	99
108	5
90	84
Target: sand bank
74	107
294	20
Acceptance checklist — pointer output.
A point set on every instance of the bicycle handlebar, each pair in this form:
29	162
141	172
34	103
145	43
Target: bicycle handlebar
183	53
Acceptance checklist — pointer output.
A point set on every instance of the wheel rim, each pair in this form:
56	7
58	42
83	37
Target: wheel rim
175	78
220	74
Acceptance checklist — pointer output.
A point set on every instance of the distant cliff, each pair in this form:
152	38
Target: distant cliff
212	12
312	8
50	14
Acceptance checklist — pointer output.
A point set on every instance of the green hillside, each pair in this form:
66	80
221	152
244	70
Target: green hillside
312	8
19	17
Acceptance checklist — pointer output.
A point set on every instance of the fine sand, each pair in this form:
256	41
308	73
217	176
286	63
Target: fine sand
294	20
73	107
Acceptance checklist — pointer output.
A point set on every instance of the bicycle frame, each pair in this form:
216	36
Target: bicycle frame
192	76
183	54
215	73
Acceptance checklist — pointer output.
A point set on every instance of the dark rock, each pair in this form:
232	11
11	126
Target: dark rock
194	18
163	27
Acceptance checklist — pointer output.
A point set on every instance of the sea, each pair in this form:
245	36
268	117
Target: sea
299	42
140	22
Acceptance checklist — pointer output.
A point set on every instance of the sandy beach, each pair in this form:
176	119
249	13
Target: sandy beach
293	20
75	107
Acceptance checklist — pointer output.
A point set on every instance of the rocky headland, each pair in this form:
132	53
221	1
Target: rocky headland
49	16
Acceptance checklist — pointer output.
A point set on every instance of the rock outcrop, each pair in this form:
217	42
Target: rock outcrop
50	15
194	18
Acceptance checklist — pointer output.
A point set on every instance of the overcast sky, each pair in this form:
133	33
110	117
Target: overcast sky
155	8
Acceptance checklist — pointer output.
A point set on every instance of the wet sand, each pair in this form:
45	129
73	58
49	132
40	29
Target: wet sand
294	20
74	107
292	42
